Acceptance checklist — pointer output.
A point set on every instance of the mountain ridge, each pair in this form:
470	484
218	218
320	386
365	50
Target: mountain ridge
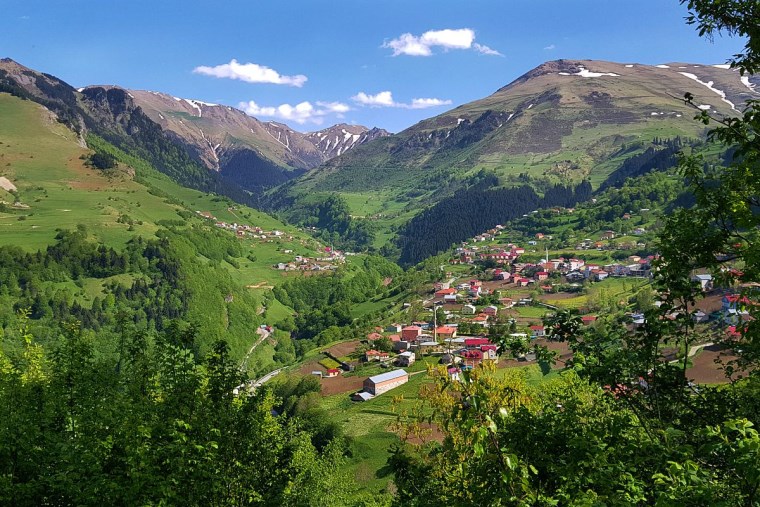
563	109
243	150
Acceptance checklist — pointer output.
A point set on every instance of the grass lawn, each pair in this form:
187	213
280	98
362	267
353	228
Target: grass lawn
368	425
531	312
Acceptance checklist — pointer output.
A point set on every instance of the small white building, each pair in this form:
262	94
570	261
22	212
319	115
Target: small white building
406	358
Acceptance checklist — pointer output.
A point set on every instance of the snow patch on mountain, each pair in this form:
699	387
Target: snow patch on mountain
746	82
583	72
709	84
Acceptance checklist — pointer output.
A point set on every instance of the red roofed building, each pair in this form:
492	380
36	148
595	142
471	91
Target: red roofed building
588	319
333	372
732	332
374	336
472	357
489	351
445	292
411	333
394	338
481	319
507	302
536	331
472	343
446	332
542	275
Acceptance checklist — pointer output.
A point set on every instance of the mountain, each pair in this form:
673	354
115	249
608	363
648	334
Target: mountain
561	120
181	136
561	124
338	139
247	151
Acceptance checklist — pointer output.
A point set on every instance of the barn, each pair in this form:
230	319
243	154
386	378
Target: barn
385	382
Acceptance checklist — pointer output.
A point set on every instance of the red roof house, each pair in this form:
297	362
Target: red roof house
588	319
411	333
476	342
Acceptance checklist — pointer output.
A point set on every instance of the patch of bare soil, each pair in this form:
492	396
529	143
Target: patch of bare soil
343	349
707	365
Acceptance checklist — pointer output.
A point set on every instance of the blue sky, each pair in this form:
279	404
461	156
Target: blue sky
312	63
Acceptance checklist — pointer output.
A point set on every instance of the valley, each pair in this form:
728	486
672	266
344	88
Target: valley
547	295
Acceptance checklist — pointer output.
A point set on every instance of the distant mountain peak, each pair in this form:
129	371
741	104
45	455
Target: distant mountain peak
338	139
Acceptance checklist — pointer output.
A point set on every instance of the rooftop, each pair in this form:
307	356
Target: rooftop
390	375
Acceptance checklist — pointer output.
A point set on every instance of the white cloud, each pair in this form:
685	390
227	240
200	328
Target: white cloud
334	107
382	99
449	39
425	103
461	38
485	50
250	73
385	99
408	44
550	47
304	112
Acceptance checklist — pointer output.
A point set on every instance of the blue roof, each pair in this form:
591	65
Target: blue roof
390	375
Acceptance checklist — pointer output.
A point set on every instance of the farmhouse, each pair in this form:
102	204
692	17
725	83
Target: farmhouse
472	358
536	331
446	332
705	281
384	382
375	355
411	333
588	319
405	359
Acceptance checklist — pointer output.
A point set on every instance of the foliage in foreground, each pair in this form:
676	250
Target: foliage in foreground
157	425
569	442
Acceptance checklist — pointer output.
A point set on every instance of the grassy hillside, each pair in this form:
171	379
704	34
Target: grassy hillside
56	189
50	187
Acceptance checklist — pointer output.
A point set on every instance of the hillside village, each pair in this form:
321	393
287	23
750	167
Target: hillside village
331	259
497	315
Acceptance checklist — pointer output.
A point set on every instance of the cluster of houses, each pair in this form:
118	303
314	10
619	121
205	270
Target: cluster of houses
242	230
468	254
329	261
457	353
525	274
422	338
577	269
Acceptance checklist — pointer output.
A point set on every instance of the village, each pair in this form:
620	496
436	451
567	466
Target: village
331	259
496	317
